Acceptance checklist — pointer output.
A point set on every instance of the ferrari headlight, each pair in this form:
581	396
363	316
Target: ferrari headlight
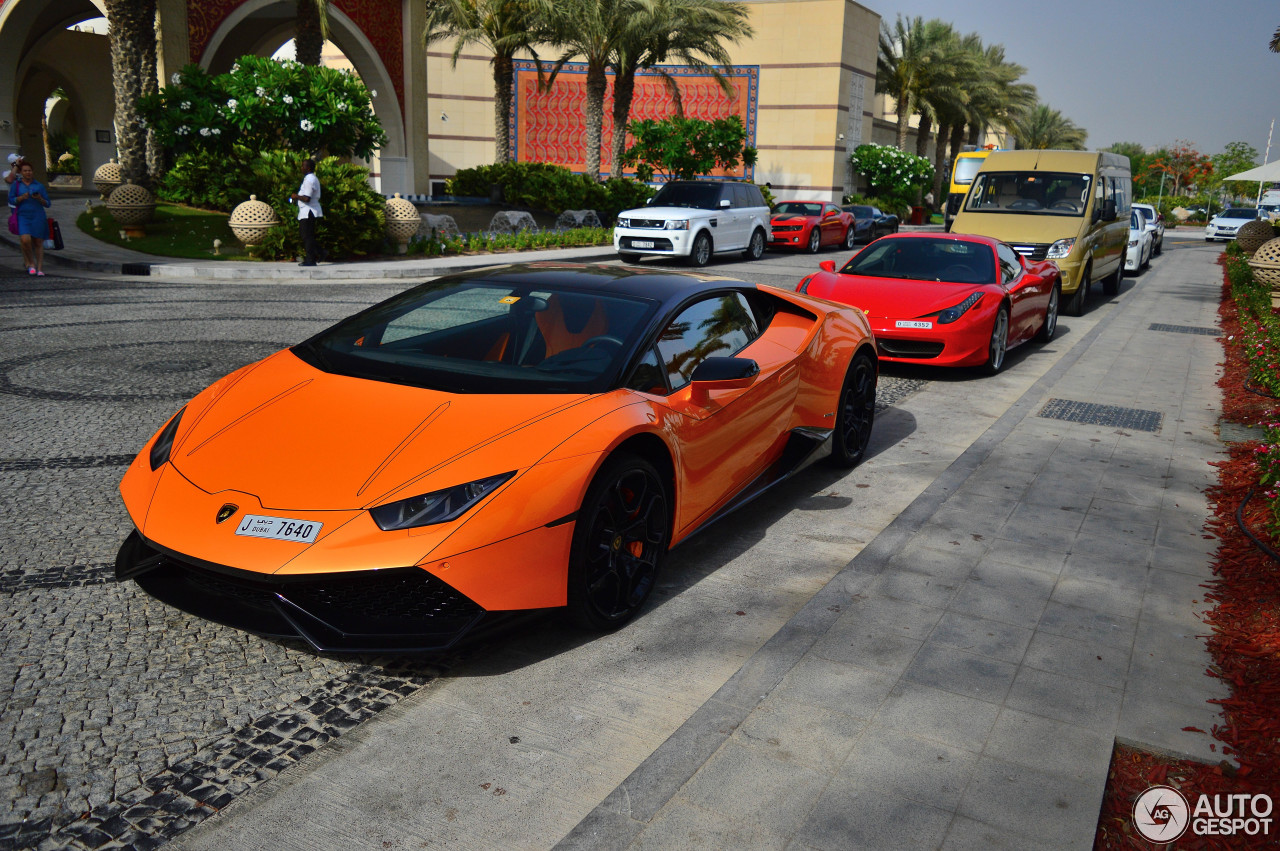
951	314
676	224
436	507
164	441
1061	248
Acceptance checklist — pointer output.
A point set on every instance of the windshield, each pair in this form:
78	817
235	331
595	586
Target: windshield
1035	192
478	337
700	196
861	212
1239	213
924	259
966	168
796	208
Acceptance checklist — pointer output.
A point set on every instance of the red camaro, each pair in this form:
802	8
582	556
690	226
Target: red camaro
811	225
945	299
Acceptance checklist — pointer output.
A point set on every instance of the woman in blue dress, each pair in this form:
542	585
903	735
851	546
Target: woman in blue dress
29	199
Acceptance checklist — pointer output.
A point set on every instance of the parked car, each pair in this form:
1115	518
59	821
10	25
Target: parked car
1155	224
512	438
945	299
1137	255
696	219
872	223
811	225
1225	224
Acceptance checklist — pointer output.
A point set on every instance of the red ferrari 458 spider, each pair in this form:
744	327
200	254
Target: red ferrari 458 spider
945	299
811	225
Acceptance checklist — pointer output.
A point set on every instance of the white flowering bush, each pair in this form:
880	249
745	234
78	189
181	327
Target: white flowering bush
891	172
265	104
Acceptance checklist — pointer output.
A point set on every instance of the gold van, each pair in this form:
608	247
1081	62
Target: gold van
1071	207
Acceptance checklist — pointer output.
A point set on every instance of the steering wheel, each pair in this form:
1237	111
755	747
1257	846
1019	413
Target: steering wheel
1025	204
1069	206
603	338
959	273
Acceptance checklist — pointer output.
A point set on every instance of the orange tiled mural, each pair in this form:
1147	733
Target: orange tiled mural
550	126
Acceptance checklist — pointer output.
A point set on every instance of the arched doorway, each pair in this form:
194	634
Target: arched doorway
44	48
261	27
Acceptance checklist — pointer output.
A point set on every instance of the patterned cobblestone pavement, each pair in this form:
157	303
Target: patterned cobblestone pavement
124	722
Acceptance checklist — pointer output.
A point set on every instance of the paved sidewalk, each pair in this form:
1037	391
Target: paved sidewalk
962	682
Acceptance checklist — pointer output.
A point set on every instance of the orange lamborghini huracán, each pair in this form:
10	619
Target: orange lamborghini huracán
514	438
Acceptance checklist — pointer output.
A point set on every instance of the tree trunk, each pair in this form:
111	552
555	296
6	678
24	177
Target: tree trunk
940	166
503	83
131	25
624	87
904	116
922	135
975	134
308	40
157	155
596	85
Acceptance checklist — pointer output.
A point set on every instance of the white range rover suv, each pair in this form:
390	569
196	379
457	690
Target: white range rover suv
696	219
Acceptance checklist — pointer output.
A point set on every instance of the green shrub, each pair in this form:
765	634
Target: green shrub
554	189
893	206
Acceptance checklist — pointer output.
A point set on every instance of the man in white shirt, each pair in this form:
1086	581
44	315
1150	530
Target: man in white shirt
308	198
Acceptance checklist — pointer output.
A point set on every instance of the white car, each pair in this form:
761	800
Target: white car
696	219
1138	255
1155	222
1225	224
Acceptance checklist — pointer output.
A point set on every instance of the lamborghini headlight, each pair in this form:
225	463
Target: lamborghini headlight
436	507
164	441
951	314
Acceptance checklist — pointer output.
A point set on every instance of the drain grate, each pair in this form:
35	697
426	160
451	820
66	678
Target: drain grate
1185	329
1102	415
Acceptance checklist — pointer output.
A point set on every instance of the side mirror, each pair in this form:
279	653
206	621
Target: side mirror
1109	209
827	265
722	374
724	203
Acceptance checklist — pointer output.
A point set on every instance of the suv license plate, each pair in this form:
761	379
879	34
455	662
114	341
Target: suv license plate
642	243
279	528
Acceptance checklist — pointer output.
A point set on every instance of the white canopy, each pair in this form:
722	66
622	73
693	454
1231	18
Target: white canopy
1270	171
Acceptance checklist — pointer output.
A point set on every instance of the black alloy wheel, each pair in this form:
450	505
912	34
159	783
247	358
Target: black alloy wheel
619	541
700	255
755	248
856	413
999	343
850	237
1050	326
815	240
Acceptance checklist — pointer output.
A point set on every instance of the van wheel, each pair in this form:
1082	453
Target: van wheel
1075	306
1111	284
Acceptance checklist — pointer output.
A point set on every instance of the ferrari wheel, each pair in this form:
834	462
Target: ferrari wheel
621	536
856	413
815	240
999	342
850	237
1050	326
700	255
755	248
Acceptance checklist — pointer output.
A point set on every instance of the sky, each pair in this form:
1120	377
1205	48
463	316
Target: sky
1150	72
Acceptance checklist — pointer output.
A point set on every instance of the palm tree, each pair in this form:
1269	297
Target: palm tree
1044	128
912	59
504	27
132	31
691	31
1000	99
1275	41
594	30
951	112
311	29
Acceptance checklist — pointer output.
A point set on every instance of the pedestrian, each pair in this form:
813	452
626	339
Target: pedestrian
28	199
15	166
928	200
308	198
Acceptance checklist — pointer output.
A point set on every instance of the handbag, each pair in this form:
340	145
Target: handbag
13	223
55	235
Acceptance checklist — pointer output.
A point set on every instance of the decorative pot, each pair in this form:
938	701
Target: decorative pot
106	178
1265	264
1253	235
251	220
132	206
403	222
